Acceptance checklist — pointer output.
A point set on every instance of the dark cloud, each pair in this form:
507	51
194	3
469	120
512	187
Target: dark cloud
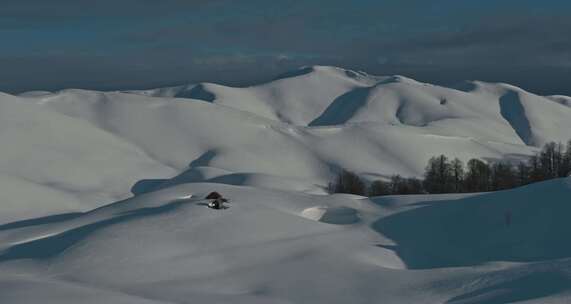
140	43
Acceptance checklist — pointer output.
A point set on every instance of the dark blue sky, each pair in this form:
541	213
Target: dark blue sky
115	44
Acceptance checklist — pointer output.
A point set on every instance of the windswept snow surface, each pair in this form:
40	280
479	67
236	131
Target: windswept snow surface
101	194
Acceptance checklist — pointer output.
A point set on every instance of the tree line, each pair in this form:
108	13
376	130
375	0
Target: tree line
445	175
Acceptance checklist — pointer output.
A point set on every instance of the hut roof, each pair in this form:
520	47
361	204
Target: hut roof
214	195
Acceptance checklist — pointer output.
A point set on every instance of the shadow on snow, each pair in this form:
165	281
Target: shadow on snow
474	230
51	246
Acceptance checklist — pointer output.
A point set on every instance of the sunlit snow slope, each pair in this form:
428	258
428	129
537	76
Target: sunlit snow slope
102	194
73	150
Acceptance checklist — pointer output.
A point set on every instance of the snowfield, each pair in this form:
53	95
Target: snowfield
102	194
284	247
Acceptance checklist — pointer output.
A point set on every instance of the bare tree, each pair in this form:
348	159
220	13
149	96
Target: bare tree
347	182
457	175
522	173
565	169
438	175
379	188
478	176
502	176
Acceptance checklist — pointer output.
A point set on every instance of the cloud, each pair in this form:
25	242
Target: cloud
145	42
498	42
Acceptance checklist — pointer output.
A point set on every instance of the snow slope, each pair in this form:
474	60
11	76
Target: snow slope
564	100
274	247
101	194
74	150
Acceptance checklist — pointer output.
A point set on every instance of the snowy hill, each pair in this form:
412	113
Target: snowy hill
327	96
286	247
74	150
102	194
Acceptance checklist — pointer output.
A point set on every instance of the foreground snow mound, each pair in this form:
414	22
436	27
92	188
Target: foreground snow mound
164	246
526	224
167	246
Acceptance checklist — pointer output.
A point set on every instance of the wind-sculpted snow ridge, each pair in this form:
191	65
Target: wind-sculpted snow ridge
270	246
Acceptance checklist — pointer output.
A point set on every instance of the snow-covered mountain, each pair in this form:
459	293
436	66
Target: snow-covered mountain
76	150
94	194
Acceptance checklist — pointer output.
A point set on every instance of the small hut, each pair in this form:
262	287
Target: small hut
217	201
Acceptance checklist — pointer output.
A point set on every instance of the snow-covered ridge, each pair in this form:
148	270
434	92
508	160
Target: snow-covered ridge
78	149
